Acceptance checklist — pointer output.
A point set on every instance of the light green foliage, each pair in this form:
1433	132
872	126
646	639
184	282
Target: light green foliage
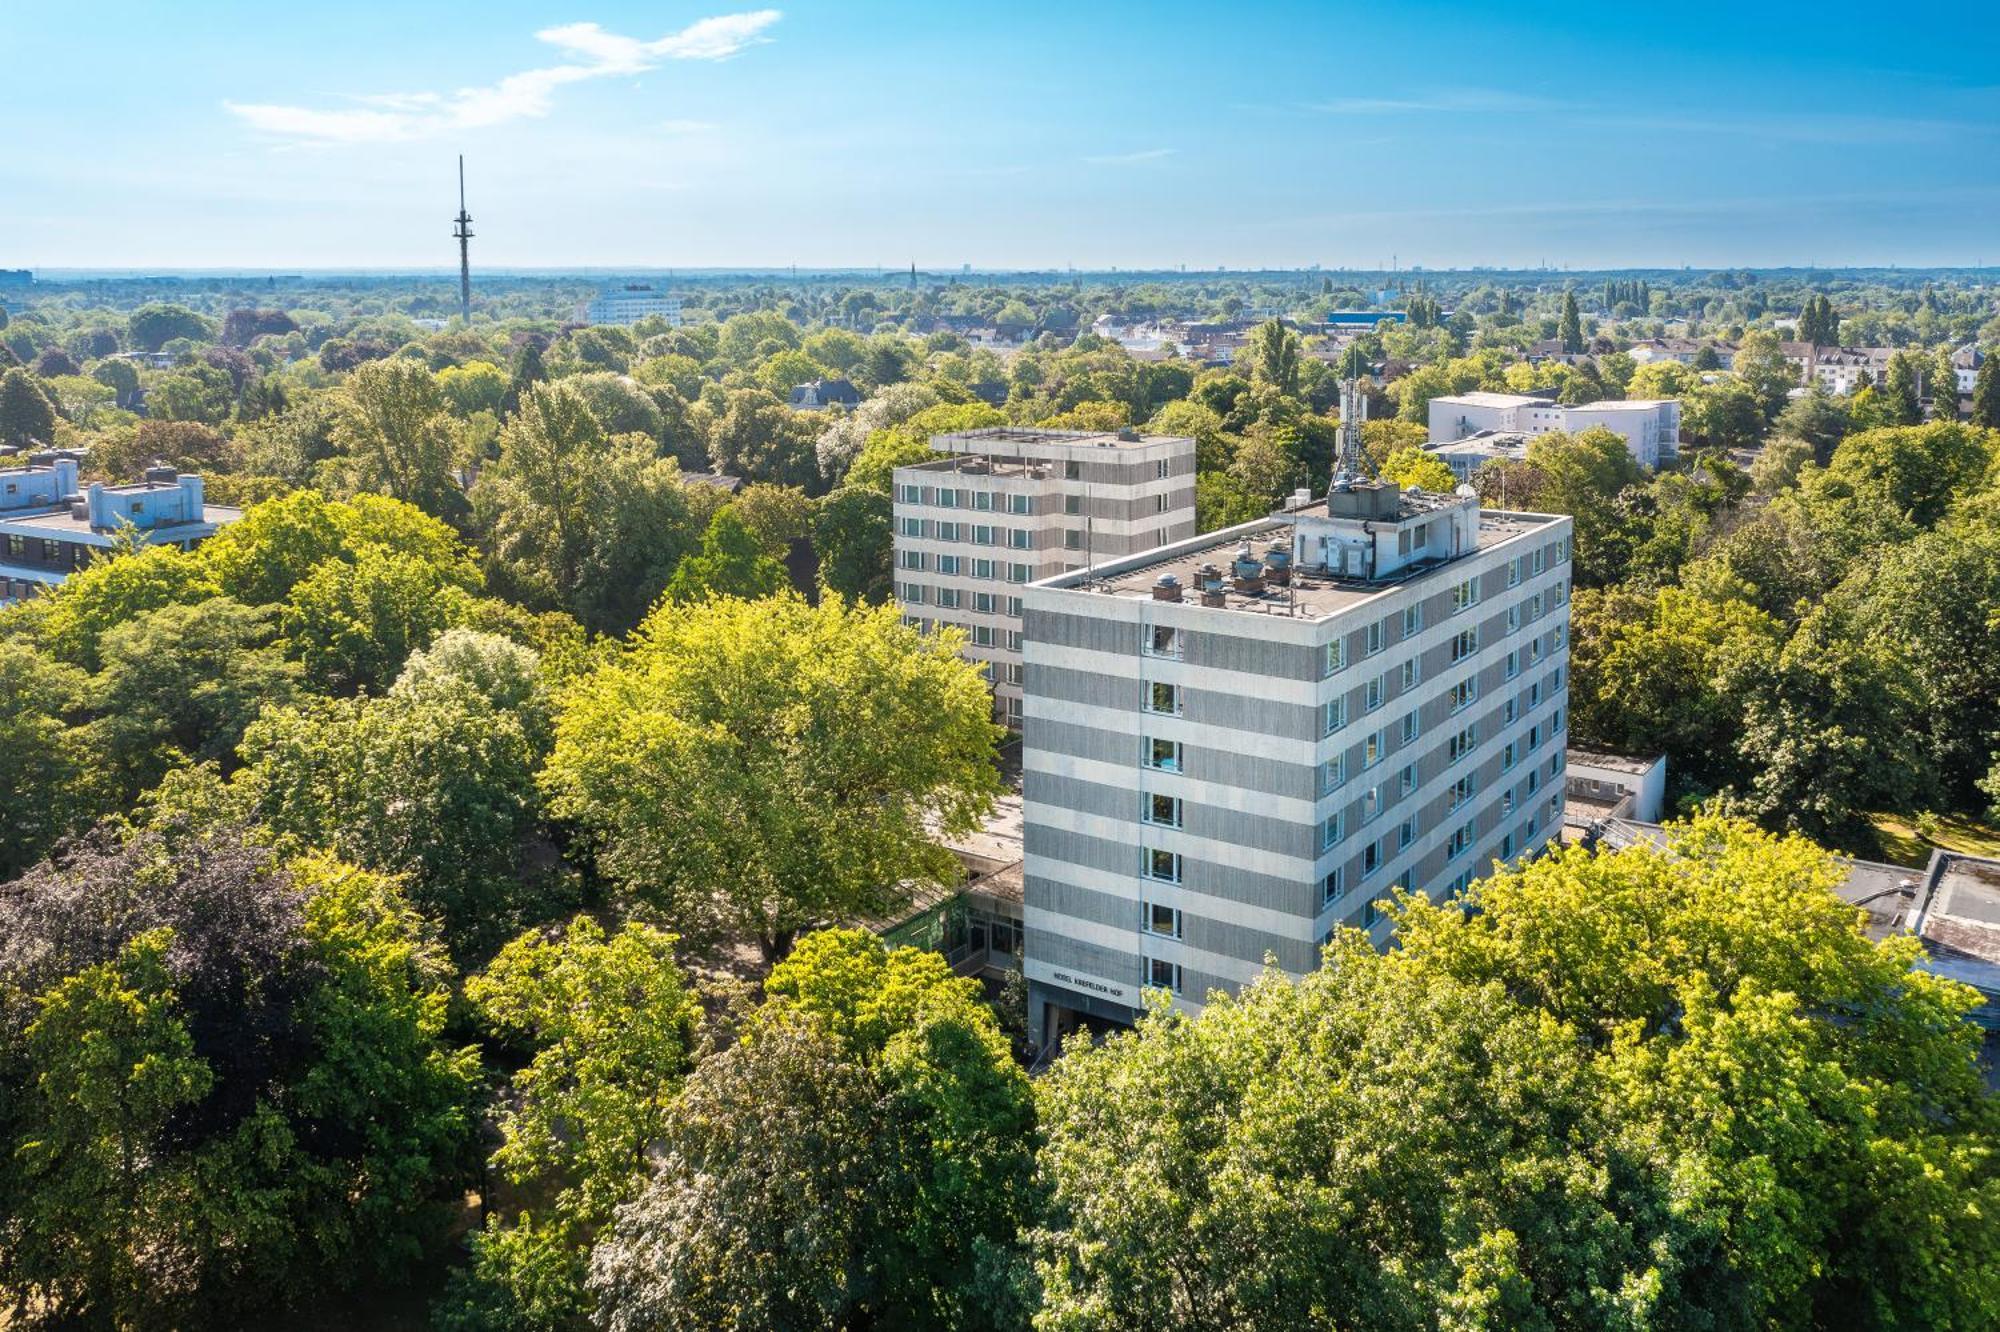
475	386
42	780
899	446
775	516
753	768
400	438
112	591
1583	475
863	1157
608	1025
730	563
1658	1088
351	626
434	781
1272	356
1414	467
759	438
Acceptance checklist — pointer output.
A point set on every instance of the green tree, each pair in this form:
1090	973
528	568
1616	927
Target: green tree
853	540
729	564
1671	1087
352	625
1761	365
1571	328
1583	475
754	768
43	781
154	326
1986	394
240	1094
400	439
606	1023
112	591
1941	379
27	417
758	438
1414	467
862	1157
536	501
1272	354
1903	404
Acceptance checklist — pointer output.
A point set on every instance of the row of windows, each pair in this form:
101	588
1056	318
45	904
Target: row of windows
1375	635
952	598
980	501
962	566
979	534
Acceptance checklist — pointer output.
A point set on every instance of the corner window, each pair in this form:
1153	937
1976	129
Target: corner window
1163	641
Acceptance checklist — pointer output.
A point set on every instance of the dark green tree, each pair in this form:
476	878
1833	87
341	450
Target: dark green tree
27	417
1570	329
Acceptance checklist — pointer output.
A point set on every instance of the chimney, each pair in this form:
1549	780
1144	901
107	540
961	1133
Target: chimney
1278	564
1209	578
65	470
1167	588
190	483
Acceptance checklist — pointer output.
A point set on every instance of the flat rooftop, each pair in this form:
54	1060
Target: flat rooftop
58	522
1962	918
1313	595
972	464
1637	765
1001	436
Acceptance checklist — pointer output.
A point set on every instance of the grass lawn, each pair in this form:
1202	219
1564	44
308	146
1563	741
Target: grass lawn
1904	845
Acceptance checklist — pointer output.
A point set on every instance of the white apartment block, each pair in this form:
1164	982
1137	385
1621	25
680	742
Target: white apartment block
1011	506
1650	427
1234	744
629	304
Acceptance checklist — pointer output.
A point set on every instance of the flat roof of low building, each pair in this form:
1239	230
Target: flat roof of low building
1638	765
1312	594
1961	914
1487	398
1098	439
972	464
59	522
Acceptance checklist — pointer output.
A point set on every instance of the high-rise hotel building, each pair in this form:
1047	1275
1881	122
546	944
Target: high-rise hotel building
1010	506
1236	742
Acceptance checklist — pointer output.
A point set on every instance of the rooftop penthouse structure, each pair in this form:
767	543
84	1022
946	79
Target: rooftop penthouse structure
1234	743
1008	506
1650	427
49	527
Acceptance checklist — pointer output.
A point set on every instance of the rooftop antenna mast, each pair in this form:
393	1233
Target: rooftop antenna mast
461	230
1352	465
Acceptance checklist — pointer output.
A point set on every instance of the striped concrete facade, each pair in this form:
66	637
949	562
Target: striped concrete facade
1189	813
1012	507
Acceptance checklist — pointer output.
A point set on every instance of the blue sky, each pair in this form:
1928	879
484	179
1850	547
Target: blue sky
601	132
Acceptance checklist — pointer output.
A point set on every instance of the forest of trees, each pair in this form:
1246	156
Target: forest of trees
382	876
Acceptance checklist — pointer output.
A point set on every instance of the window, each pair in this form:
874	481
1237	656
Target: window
1372	695
1374	638
1413	674
1413	620
1408	781
1510	713
913	527
1336	658
1461	791
1406	832
1159	973
1464	643
1560	637
1020	504
1410	727
1373	748
982	603
1164	755
1513	664
1161	920
1014	607
982	500
1073	470
947	531
1160	866
948	564
1333	774
1162	641
1464	692
1159	504
1507	847
1333	715
1562	550
1072	540
1371	804
1461	744
982	568
1507	801
1535	694
1510	756
912	495
1458	843
1514	572
1537	558
912	559
947	598
1371	858
947	499
982	535
1072	505
1013	640
912	593
1161	469
1163	698
1017	573
1161	810
1534	651
1020	538
1016	673
1465	596
982	635
1332	831
1535	606
1333	887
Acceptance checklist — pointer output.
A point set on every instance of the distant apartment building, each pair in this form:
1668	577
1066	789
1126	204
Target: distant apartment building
1235	743
49	528
1843	370
1011	506
1681	351
1650	427
629	304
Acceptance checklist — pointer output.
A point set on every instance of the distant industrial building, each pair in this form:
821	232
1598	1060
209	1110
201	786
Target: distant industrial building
1237	742
49	528
1011	506
1650	427
629	304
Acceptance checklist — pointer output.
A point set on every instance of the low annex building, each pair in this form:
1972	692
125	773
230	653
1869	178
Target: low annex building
49	528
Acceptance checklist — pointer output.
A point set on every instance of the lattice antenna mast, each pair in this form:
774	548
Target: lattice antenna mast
1353	463
462	231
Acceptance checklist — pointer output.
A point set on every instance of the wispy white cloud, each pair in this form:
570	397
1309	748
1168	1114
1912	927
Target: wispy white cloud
590	51
1131	159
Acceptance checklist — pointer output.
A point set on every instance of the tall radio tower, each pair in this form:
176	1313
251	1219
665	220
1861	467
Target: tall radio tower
462	230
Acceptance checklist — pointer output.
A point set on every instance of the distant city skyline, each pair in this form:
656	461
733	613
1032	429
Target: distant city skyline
622	136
